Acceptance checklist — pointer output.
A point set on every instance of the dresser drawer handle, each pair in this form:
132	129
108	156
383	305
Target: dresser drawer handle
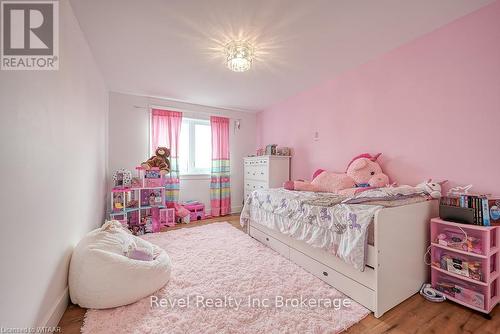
325	273
267	239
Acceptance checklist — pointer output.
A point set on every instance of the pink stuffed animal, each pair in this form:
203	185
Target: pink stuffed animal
362	172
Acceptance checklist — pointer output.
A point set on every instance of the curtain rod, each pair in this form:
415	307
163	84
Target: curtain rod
167	100
184	110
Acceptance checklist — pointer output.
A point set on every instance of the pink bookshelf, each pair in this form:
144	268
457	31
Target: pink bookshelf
466	270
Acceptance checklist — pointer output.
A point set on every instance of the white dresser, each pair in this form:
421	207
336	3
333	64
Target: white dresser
267	171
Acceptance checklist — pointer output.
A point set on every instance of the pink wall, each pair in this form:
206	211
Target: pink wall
431	106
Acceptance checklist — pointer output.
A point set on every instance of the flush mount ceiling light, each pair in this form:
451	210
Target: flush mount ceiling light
239	55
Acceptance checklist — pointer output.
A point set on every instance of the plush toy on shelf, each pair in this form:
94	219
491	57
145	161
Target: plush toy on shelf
363	172
431	187
159	160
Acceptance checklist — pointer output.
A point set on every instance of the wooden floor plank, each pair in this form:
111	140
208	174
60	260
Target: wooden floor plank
413	316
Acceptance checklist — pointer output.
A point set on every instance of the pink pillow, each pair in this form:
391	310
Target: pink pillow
141	254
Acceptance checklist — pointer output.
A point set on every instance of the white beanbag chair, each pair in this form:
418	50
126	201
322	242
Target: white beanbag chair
101	274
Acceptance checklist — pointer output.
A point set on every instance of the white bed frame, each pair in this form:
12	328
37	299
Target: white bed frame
395	268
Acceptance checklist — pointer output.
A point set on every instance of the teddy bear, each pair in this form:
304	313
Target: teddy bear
159	160
363	172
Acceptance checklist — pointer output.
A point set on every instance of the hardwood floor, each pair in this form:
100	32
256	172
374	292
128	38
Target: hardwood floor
415	315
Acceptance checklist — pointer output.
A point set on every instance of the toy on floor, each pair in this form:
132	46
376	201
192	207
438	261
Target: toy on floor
196	210
137	229
431	294
182	214
147	222
159	160
362	172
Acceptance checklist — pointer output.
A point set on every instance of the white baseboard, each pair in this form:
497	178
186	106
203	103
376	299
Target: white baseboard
55	313
236	209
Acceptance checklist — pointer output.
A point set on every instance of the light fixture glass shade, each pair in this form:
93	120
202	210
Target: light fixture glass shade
239	56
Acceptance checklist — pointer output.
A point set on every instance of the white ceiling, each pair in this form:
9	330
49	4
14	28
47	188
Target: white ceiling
169	49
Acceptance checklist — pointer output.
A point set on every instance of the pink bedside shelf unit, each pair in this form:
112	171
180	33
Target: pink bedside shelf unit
466	270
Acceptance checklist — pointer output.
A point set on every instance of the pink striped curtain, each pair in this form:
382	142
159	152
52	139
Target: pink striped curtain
165	130
220	185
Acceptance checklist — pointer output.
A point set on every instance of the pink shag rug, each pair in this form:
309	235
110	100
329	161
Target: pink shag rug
216	266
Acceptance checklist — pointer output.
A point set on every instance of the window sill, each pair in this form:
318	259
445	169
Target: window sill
195	177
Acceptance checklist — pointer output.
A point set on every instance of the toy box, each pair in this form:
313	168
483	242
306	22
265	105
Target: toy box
196	210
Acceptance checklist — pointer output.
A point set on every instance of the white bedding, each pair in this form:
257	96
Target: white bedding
325	220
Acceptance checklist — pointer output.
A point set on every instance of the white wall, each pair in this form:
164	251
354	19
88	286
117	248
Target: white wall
129	140
53	169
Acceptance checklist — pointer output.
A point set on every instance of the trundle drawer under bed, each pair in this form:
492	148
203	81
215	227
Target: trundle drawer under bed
321	264
394	268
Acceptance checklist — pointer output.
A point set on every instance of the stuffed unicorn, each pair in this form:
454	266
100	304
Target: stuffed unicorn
432	188
459	190
362	172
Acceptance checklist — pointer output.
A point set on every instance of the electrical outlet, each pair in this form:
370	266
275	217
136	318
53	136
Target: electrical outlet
316	136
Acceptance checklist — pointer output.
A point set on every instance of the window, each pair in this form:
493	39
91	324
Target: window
195	147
